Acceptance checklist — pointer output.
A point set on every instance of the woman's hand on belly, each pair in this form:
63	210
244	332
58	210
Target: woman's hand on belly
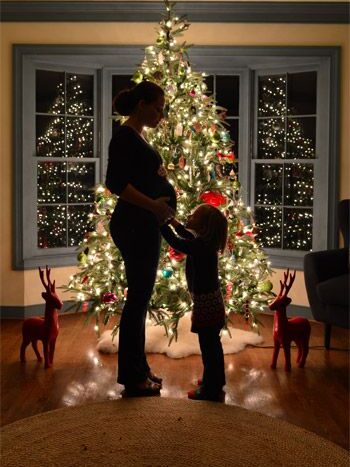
162	210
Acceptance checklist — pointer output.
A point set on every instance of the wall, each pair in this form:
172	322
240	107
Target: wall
23	288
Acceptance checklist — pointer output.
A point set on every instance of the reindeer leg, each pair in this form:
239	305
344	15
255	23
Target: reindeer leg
276	350
305	350
287	363
300	351
52	350
46	354
36	350
25	343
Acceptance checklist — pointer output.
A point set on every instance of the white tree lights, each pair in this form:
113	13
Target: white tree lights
198	153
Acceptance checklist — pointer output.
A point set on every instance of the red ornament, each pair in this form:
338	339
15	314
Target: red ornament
215	199
176	255
192	93
109	297
227	157
229	287
86	278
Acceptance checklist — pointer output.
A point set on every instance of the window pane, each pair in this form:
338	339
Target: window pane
51	179
50	92
80	94
271	138
50	137
78	223
301	138
51	226
209	81
298	184
81	180
227	94
272	96
302	88
297	229
268	184
269	222
68	135
80	134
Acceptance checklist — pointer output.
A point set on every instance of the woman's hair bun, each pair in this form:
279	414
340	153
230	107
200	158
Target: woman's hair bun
124	102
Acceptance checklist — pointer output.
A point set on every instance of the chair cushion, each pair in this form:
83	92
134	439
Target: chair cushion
334	291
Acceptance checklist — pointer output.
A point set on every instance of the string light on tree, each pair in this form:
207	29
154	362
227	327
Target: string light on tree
189	139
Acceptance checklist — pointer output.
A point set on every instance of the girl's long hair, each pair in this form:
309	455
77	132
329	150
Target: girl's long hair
214	227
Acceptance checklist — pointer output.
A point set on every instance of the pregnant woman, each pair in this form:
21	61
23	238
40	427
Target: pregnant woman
146	200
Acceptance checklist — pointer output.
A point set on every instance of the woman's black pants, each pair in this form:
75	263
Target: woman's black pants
140	247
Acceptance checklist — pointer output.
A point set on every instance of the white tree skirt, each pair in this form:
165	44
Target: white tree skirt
186	344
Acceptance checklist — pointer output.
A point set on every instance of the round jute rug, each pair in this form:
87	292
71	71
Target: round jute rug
159	432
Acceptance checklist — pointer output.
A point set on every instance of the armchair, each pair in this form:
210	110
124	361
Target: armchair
326	275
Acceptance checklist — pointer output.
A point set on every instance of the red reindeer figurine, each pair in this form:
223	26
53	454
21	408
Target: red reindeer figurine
43	329
287	330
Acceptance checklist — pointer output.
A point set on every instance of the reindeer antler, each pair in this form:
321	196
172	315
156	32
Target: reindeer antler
49	286
291	277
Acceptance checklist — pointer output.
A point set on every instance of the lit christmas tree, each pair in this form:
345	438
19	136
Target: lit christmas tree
195	145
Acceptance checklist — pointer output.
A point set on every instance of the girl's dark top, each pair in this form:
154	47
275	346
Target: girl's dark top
202	277
132	160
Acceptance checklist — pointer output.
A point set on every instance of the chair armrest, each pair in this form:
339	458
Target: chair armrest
320	266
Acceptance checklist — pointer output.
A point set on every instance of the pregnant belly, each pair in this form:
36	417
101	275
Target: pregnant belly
165	188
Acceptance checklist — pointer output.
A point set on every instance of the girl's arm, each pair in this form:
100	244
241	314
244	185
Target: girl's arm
181	229
184	245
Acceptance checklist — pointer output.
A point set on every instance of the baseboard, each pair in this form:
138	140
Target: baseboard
22	312
295	310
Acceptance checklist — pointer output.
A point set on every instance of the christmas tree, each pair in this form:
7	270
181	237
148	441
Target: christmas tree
198	153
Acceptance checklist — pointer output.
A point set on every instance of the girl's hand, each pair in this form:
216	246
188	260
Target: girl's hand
174	222
162	210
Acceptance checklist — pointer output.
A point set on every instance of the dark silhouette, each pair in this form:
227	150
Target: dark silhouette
146	200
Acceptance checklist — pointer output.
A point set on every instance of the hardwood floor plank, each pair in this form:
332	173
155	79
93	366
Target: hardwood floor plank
315	398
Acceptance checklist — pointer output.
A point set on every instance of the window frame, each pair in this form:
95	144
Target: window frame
220	60
320	162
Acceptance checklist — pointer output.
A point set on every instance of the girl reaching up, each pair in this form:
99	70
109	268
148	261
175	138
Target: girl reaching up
202	239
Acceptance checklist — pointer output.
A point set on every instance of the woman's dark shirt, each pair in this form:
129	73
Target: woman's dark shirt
132	160
202	259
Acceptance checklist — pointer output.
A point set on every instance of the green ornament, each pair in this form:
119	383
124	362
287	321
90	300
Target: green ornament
138	77
99	198
216	137
265	286
82	258
236	185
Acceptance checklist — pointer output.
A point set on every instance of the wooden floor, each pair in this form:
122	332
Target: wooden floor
315	398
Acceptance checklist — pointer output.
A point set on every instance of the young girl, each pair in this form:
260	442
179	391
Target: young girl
204	236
